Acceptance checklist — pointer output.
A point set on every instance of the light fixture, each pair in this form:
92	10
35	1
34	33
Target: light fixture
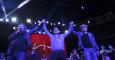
14	19
1	19
28	20
66	31
58	23
7	20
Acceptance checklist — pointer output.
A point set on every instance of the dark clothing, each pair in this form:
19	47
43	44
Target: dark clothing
20	42
18	47
86	42
57	55
91	38
17	55
34	57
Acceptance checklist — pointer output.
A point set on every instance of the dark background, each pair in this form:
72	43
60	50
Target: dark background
100	13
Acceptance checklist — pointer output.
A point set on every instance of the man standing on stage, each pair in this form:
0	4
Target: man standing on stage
20	43
57	41
87	42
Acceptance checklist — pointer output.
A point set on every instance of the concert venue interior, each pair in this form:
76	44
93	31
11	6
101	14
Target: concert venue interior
99	15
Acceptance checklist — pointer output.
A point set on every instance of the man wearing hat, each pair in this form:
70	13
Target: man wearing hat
86	41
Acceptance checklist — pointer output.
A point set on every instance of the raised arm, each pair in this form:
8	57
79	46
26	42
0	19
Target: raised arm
45	28
74	32
70	29
35	28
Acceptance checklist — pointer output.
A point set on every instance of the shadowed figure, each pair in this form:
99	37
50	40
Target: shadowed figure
19	43
86	41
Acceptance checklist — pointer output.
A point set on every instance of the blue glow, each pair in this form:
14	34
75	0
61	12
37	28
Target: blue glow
63	24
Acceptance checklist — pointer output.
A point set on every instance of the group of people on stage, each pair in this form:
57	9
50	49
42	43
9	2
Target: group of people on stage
103	54
20	42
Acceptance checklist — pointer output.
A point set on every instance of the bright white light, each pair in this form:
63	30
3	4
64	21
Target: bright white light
82	7
58	23
28	30
44	33
66	31
47	22
51	23
1	19
14	19
38	21
63	24
35	23
88	21
28	20
50	30
54	24
14	28
7	20
74	25
39	32
23	3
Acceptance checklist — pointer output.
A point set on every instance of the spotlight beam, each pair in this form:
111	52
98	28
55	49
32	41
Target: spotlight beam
4	10
10	13
23	3
19	6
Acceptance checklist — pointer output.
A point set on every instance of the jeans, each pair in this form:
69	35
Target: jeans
57	55
90	54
